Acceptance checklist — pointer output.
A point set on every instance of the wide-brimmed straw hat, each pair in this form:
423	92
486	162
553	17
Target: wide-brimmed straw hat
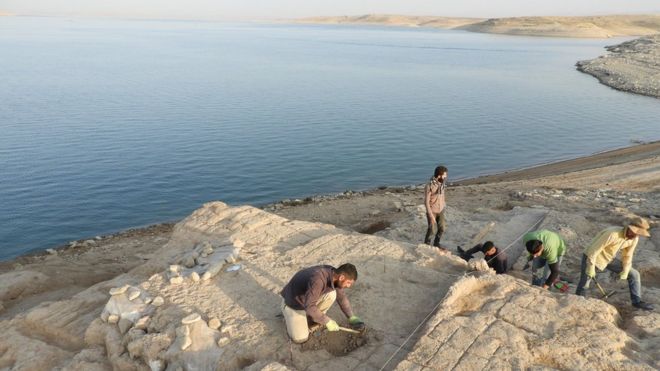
639	226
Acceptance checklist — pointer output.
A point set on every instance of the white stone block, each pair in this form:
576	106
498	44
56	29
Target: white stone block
192	318
118	290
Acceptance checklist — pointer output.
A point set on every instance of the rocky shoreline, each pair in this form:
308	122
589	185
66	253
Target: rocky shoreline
609	158
632	66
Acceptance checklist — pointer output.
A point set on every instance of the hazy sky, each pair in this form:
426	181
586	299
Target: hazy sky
272	9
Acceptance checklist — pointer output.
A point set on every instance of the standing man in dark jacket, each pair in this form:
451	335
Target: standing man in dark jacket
496	260
434	201
309	295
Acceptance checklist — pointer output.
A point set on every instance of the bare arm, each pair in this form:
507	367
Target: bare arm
554	274
344	304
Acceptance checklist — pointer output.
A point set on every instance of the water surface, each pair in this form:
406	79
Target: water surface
110	124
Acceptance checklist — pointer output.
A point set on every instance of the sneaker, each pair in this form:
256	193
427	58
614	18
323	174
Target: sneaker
643	305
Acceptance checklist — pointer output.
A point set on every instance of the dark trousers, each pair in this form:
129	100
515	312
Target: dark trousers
436	227
634	281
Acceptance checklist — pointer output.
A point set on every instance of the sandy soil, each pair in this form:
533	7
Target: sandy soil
588	27
632	66
52	304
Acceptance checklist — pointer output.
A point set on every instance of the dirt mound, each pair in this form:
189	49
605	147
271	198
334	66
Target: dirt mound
336	343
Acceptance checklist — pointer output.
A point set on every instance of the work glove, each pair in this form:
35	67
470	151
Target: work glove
332	326
623	275
355	320
591	271
356	323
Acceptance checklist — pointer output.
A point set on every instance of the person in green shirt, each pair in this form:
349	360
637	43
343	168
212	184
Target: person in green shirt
546	249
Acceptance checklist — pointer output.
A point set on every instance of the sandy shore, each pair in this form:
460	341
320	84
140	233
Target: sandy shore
632	66
584	27
50	304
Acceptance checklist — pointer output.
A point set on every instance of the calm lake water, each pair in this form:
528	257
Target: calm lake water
110	124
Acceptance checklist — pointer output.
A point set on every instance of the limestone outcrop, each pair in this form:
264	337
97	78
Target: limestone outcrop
209	300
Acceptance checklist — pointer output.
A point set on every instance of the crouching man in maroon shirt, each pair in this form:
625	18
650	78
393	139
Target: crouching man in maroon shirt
309	295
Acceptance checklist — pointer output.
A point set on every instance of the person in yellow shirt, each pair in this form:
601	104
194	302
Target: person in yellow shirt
602	252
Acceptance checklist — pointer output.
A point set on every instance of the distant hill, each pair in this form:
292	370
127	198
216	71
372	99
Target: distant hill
589	27
394	20
595	27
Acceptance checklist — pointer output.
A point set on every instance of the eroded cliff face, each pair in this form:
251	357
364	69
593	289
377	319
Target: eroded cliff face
209	299
632	66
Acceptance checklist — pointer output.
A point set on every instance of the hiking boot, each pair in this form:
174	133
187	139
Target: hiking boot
643	305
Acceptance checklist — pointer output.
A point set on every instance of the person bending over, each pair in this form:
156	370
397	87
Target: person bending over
311	292
496	260
601	254
546	250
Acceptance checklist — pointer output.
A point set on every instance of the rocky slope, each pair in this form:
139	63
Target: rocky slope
204	295
208	299
632	66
